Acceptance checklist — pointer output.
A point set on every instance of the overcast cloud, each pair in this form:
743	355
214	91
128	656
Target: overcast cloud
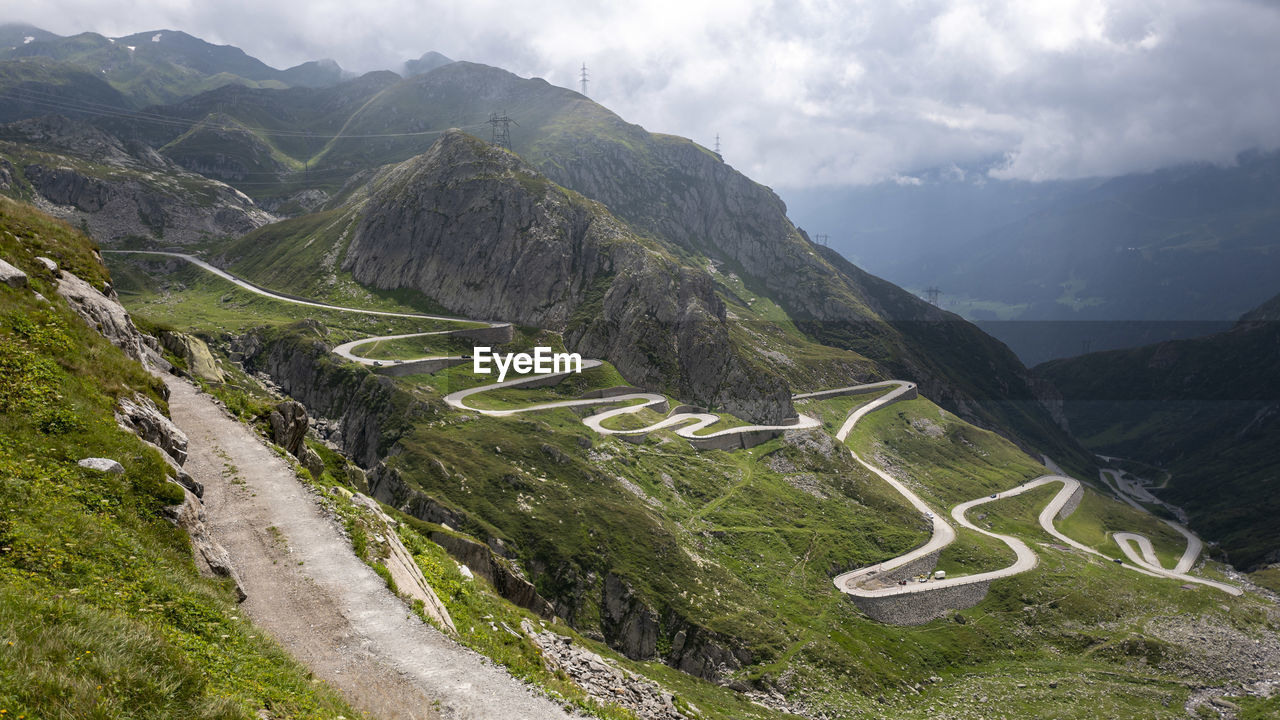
812	92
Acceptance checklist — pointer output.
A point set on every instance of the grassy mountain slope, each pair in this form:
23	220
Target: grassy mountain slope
102	611
162	66
37	86
732	553
1208	410
674	191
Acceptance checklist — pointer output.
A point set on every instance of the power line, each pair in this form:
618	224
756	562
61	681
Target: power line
933	293
822	239
717	143
56	102
584	78
501	129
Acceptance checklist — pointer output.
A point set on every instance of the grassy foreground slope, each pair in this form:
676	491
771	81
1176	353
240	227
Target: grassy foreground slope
102	611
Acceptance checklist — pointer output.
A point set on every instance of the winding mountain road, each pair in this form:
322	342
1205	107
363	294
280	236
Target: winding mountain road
860	582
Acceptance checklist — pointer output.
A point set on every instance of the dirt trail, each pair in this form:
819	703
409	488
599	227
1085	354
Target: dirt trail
326	607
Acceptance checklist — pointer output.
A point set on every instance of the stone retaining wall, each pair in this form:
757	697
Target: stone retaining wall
735	441
919	608
612	392
496	335
417	367
1073	502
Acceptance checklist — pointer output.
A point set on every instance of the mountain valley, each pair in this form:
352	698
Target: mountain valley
781	487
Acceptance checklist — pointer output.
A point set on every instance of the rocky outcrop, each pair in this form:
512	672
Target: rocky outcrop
12	276
104	314
489	237
600	678
705	654
386	485
404	570
121	189
289	423
211	558
501	572
630	625
312	461
140	416
195	352
370	412
66	186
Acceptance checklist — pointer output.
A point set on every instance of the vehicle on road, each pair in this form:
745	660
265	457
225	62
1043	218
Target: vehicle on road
940	575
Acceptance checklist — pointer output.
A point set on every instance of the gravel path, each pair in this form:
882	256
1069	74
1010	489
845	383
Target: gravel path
327	608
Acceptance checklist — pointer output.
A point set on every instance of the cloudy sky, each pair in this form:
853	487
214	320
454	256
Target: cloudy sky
819	93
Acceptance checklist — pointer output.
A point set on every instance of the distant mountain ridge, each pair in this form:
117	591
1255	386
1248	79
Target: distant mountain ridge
295	150
163	66
1056	268
1208	410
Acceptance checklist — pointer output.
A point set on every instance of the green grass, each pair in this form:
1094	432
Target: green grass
947	461
102	611
833	411
1098	517
1268	578
413	348
193	300
741	546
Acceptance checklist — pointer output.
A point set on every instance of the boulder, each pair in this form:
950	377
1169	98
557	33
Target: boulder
12	276
48	264
140	416
105	465
289	425
195	352
312	461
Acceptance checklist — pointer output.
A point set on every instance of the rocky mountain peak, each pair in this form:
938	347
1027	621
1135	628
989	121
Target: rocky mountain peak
487	236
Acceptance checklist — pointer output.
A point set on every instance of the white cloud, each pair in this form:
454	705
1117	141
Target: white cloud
821	91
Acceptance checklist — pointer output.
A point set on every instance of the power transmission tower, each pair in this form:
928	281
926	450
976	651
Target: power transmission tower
584	78
717	143
933	293
501	130
822	239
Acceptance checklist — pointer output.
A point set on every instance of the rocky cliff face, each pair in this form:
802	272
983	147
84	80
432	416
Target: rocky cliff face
674	190
119	189
370	414
489	237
